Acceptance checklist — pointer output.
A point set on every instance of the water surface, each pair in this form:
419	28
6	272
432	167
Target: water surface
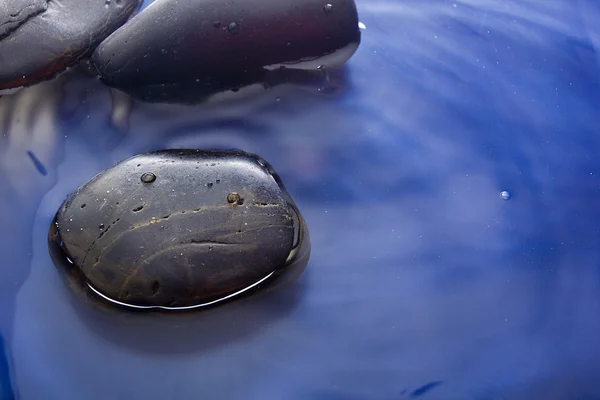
423	281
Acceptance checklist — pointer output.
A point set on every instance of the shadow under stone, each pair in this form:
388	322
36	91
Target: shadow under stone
163	332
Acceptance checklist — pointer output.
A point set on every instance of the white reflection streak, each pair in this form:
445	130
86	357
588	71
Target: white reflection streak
183	308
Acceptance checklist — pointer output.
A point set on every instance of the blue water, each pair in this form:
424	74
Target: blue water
424	282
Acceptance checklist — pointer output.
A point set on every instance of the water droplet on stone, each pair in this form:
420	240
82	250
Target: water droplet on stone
505	195
233	198
148	177
233	27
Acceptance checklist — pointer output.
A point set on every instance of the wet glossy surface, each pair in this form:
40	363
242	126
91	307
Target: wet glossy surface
423	281
200	227
40	39
211	44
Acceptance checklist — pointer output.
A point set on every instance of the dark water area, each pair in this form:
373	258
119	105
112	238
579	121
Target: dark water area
423	282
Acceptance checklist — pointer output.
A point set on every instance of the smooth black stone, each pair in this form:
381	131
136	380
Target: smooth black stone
179	228
39	39
213	42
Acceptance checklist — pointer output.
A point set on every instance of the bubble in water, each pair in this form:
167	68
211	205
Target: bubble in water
148	177
233	27
505	195
101	226
327	8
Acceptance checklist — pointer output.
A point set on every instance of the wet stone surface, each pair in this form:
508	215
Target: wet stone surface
215	43
178	228
14	13
41	38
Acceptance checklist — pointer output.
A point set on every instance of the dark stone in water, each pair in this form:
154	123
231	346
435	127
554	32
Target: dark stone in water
41	38
250	83
219	42
179	229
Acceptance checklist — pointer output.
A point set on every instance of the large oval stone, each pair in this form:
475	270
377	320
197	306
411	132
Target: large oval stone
214	42
41	38
179	228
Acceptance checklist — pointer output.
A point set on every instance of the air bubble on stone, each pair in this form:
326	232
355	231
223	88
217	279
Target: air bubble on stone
148	177
101	226
233	198
233	27
505	194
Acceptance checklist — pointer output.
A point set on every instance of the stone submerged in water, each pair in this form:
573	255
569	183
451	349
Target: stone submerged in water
41	38
215	43
179	229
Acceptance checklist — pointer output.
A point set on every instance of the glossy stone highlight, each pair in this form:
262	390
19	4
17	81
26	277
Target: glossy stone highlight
215	42
208	226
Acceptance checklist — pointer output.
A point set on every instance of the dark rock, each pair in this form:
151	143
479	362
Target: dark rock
179	228
254	83
14	13
41	38
224	42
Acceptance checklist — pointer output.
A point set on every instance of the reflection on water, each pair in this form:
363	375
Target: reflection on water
422	281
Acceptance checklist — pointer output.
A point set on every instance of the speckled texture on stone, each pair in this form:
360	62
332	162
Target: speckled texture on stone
207	225
39	39
209	42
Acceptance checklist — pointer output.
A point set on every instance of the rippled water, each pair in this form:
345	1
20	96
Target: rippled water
424	280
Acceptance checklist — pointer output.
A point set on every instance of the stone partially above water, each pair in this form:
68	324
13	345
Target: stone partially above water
179	229
219	42
41	38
